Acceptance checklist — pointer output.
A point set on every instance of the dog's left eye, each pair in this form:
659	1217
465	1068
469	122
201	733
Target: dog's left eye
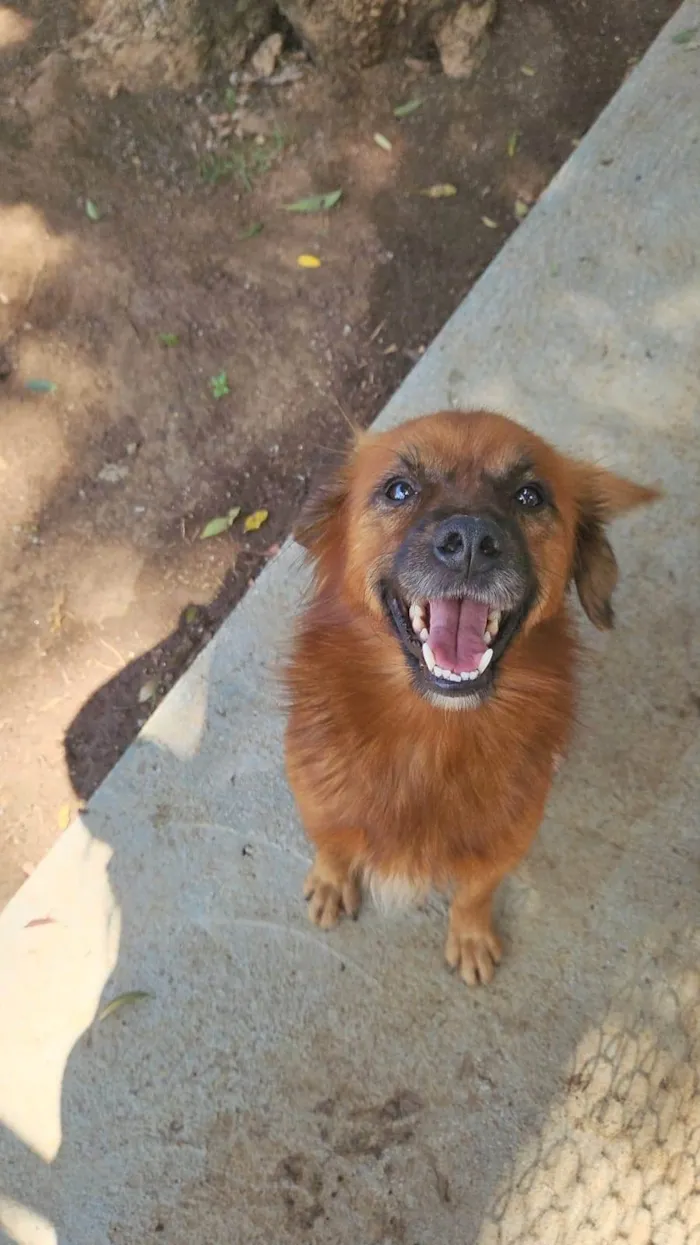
529	496
399	490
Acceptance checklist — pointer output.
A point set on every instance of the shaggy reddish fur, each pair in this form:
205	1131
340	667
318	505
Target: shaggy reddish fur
396	792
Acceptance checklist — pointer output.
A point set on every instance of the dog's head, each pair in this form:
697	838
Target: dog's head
459	533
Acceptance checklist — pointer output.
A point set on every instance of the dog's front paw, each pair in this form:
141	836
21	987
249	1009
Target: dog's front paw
474	950
330	895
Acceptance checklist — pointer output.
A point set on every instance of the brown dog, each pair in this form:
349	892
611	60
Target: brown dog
442	551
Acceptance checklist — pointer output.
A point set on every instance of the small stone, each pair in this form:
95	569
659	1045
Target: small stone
460	39
147	691
112	473
262	62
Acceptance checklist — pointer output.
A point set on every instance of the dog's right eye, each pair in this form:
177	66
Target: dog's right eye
399	491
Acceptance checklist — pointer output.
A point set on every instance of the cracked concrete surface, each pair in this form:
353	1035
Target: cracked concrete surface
281	1085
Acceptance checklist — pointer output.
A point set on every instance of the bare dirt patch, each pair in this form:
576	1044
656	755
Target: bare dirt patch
126	219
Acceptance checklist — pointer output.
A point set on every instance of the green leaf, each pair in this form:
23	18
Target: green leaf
251	231
219	385
316	203
215	527
168	339
405	110
685	36
512	146
123	1000
382	141
521	209
40	386
92	211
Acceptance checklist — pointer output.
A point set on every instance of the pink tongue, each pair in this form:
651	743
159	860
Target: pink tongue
457	634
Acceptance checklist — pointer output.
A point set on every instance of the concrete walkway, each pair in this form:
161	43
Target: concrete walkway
280	1086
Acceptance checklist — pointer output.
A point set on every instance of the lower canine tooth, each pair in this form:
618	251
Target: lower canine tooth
429	657
485	660
424	636
417	623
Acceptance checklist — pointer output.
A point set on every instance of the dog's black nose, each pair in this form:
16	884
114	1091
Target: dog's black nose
466	543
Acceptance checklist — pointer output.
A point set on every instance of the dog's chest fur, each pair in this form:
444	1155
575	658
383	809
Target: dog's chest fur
425	786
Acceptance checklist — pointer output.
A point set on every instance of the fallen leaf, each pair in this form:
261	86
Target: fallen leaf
219	385
215	527
391	349
308	261
442	190
251	231
255	520
40	920
685	36
191	614
521	209
382	141
40	386
57	613
92	211
64	817
513	140
123	1000
405	110
490	224
527	70
168	339
316	203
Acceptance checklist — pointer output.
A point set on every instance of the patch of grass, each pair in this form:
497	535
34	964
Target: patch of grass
244	162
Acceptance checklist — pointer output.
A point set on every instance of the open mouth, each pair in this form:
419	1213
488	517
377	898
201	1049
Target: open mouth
454	643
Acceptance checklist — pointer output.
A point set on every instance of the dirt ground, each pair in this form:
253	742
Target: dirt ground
106	481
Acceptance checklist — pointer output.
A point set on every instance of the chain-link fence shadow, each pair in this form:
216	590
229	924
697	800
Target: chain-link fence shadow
619	1159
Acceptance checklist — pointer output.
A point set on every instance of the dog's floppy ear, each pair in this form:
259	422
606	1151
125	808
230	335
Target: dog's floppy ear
601	496
320	527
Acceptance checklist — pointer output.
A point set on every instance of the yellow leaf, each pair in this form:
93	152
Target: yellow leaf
382	141
490	224
64	817
527	70
255	520
309	261
443	190
521	209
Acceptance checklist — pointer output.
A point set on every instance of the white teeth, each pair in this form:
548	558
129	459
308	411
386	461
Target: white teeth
493	622
485	660
454	678
488	638
416	614
424	636
429	658
439	672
